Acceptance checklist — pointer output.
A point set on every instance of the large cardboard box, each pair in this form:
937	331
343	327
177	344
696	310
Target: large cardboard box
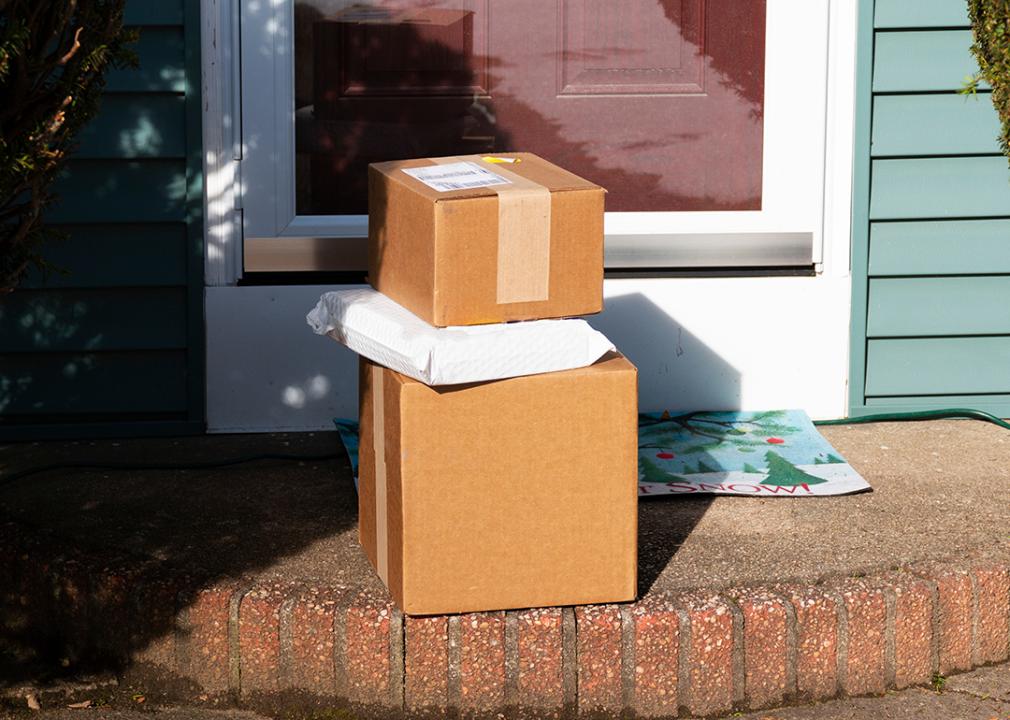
506	494
475	239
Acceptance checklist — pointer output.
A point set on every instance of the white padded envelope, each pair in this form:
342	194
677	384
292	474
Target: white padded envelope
371	324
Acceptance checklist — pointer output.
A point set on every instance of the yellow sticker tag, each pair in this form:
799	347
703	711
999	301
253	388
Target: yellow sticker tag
497	160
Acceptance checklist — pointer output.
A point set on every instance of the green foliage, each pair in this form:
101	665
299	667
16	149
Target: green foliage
990	20
53	59
938	682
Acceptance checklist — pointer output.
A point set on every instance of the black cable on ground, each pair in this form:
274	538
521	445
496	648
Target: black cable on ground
946	413
211	465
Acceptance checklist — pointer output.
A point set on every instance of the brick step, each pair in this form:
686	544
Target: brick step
692	653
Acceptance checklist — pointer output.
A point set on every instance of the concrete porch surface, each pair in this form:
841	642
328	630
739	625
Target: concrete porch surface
248	580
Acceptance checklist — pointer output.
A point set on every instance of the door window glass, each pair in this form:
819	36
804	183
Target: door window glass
659	101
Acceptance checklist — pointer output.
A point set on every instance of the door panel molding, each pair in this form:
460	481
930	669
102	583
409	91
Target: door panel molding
682	73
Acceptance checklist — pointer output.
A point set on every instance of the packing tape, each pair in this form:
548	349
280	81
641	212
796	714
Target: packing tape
524	234
379	448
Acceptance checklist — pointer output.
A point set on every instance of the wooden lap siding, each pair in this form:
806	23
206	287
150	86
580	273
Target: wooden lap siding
115	346
931	233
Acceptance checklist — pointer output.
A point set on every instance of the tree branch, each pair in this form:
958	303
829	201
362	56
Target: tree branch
73	48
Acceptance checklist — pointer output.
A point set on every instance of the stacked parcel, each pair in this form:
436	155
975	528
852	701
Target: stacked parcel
498	458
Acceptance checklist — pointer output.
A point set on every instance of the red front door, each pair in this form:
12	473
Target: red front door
659	101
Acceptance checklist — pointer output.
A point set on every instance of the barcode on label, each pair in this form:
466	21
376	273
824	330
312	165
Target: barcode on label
456	176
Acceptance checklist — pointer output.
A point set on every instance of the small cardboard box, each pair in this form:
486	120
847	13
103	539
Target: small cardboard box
475	239
506	494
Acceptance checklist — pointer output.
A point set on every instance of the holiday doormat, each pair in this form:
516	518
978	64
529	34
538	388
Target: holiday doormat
778	453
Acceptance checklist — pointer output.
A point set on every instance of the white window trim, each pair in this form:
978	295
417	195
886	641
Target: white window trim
251	183
222	148
269	166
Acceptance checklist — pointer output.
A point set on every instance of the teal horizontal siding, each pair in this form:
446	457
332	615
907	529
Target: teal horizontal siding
153	12
952	247
938	366
131	256
136	125
931	249
117	191
959	187
921	61
935	125
939	306
162	63
83	383
91	320
110	341
920	13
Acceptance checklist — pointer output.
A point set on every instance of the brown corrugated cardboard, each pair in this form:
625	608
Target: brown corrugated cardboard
507	494
528	248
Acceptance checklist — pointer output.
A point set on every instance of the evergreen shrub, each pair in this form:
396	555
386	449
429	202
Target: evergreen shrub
990	20
53	58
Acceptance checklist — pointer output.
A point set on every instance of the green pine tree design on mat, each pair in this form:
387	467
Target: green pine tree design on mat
652	473
783	473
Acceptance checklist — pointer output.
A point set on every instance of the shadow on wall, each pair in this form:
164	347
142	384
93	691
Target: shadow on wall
276	373
676	372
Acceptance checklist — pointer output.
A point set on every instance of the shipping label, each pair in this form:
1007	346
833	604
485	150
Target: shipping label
456	176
